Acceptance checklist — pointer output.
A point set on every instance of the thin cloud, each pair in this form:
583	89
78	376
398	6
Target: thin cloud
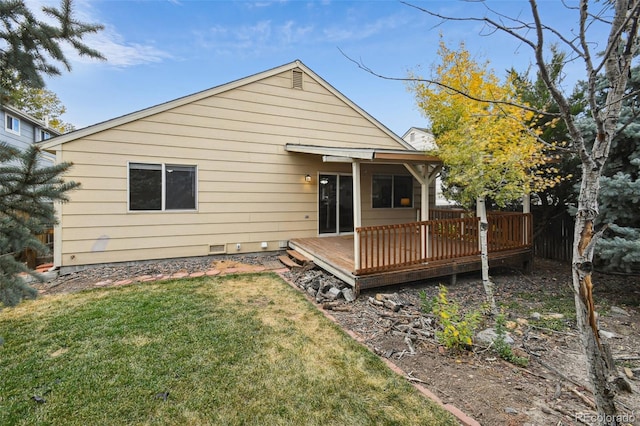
259	37
361	32
119	52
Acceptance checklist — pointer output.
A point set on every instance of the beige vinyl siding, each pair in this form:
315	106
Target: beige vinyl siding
249	189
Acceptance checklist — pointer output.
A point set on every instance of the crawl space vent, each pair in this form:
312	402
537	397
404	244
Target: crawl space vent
217	248
297	79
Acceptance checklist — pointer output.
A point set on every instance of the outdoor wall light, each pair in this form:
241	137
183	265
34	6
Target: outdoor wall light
307	178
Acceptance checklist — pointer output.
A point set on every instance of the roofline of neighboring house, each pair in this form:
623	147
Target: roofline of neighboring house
23	115
420	129
53	143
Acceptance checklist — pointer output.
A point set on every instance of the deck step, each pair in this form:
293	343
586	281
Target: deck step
298	257
288	262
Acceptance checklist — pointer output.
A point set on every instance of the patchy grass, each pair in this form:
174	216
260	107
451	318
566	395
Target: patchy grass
228	350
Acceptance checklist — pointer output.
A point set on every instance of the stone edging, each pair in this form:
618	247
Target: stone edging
455	411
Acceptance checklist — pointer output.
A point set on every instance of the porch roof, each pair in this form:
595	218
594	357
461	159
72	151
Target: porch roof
377	155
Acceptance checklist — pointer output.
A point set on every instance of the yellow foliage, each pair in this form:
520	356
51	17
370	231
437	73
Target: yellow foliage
481	132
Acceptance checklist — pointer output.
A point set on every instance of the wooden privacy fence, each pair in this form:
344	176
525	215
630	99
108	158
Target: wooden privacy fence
30	257
555	241
401	246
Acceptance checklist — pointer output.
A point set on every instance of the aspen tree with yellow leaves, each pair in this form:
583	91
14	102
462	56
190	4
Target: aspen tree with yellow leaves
483	138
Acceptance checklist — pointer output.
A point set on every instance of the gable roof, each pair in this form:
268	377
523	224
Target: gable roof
51	144
422	130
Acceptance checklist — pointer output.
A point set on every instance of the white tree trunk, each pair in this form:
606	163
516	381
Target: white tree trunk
602	376
484	256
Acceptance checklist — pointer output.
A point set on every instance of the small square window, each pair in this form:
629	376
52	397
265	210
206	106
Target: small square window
12	124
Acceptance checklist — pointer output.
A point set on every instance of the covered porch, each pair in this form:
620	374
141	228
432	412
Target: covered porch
433	243
394	254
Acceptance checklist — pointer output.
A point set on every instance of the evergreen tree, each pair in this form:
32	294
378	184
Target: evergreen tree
27	193
29	49
619	201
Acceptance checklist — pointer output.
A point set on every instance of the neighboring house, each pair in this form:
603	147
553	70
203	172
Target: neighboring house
422	140
241	167
20	130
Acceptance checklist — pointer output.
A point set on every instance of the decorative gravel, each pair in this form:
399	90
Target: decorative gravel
149	270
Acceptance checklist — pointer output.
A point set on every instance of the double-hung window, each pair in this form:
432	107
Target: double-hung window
392	191
12	124
162	187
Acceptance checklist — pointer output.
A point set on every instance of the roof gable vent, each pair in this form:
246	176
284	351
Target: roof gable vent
296	79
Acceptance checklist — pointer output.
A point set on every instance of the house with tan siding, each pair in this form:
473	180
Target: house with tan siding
242	167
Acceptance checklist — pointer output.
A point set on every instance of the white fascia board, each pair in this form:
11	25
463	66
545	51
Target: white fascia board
360	154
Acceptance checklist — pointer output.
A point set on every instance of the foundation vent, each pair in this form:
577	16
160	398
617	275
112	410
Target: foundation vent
217	249
296	79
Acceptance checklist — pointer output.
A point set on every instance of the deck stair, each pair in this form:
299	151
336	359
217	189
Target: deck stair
293	259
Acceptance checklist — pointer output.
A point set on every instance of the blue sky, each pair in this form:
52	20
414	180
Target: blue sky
161	50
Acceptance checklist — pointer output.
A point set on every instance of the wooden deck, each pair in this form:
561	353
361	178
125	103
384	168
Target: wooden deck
402	253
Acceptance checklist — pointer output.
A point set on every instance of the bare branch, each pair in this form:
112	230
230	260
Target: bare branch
364	67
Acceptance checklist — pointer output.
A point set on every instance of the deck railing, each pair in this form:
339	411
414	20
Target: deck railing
400	246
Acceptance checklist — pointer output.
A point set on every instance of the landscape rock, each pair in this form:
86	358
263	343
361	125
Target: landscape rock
628	372
488	336
618	311
348	294
536	316
553	316
608	334
334	292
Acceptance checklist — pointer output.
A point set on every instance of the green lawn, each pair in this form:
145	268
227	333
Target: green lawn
244	349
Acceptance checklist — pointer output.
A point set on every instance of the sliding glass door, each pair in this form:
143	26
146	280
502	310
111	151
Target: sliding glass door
335	204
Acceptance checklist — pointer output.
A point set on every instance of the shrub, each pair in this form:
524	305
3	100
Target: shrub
457	330
502	347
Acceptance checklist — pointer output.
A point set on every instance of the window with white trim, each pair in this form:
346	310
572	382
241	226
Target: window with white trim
162	187
12	124
391	191
42	135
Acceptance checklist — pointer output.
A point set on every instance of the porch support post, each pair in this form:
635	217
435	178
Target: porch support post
481	212
526	208
526	203
424	198
357	212
421	174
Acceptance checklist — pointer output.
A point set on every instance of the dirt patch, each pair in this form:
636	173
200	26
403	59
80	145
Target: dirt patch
553	389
